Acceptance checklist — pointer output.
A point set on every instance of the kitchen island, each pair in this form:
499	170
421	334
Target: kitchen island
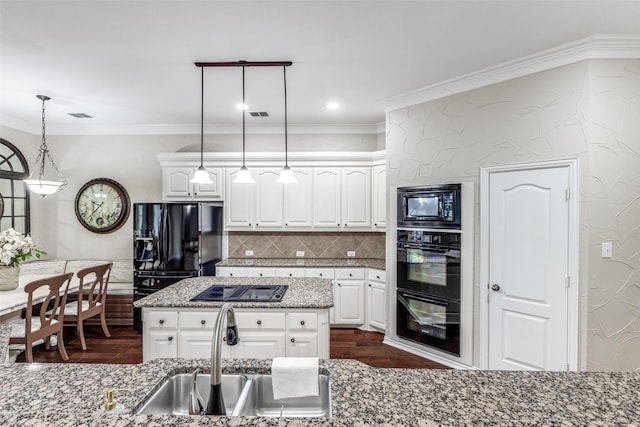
72	395
298	325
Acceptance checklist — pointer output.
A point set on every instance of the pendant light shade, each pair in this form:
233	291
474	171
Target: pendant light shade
243	176
43	186
201	176
286	174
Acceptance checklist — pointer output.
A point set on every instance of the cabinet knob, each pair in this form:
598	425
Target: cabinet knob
377	277
339	284
350	274
293	340
170	338
161	321
230	274
290	274
375	224
320	274
338	225
302	322
286	224
259	322
369	284
203	322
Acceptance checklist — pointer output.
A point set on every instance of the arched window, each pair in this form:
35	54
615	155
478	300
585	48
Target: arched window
14	196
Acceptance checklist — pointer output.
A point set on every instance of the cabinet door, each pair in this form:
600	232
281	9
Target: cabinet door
239	203
298	200
176	182
379	199
259	345
269	195
376	305
213	191
160	344
356	197
348	302
326	198
302	344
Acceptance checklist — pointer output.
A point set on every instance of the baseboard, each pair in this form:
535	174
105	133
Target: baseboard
426	354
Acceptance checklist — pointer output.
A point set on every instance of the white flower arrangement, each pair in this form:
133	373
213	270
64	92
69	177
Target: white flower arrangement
15	248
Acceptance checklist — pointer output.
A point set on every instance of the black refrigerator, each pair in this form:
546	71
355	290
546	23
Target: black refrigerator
173	241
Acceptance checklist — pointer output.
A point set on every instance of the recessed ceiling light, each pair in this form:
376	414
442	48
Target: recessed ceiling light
242	107
333	106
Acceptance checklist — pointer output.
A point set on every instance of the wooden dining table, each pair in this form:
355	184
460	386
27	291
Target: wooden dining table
12	302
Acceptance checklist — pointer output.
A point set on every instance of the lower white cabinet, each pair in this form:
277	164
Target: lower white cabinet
264	334
376	300
348	296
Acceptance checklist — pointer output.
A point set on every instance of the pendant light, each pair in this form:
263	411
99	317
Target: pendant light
201	176
243	176
41	185
286	174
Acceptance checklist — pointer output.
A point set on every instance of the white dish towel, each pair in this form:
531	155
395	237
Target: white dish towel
294	377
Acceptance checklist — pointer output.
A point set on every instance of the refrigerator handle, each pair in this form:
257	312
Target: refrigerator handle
161	239
167	232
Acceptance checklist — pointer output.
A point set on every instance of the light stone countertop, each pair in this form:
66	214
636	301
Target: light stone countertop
72	394
302	293
304	262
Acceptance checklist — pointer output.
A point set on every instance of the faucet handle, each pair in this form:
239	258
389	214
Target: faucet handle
110	396
232	335
196	402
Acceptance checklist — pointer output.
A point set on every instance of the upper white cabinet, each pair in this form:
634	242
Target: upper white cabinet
268	197
298	200
327	209
239	211
176	184
356	198
379	199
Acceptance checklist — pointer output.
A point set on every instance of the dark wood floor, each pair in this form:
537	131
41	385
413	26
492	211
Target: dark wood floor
125	346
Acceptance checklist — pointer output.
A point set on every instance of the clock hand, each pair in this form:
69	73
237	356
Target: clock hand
96	208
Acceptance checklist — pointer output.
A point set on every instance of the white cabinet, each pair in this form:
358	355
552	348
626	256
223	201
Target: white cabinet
348	297
264	334
239	206
327	209
356	198
379	197
268	199
297	206
177	186
376	300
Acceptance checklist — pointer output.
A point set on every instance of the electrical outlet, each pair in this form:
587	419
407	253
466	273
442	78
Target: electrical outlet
248	253
299	253
351	253
607	249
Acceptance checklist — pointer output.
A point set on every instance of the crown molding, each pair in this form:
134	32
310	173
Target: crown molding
192	158
600	46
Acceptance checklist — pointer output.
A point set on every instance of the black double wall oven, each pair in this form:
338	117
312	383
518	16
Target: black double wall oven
428	278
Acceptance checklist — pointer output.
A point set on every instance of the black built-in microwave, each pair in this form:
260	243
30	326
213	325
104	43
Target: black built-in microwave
429	207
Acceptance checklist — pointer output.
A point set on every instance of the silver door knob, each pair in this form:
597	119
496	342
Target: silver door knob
495	287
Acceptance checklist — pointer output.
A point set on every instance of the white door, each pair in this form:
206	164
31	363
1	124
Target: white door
528	269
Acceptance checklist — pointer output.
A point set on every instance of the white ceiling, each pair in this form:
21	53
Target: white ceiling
129	64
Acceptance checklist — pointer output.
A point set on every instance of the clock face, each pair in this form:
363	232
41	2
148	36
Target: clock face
102	205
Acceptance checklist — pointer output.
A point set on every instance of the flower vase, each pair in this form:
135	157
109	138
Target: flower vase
9	277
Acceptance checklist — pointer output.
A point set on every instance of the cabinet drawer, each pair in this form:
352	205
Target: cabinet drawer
258	321
377	275
161	319
349	273
198	319
302	321
321	273
260	272
230	272
290	272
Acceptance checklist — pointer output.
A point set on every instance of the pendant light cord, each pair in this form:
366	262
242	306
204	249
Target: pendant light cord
243	124
286	148
202	117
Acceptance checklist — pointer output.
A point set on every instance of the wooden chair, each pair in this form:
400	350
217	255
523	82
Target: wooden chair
50	319
92	299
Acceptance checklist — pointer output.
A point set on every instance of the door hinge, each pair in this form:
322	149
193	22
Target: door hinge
567	194
567	282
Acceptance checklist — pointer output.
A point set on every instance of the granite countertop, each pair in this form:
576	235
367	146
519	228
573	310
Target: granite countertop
72	395
304	262
302	293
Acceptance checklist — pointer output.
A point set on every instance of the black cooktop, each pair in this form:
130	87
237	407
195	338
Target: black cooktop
242	293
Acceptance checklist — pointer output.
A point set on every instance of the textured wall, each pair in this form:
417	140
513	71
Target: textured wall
314	245
540	117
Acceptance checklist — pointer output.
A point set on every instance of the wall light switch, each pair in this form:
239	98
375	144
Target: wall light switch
351	253
607	249
299	253
248	253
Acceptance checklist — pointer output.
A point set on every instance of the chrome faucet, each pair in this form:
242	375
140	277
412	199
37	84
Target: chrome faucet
215	404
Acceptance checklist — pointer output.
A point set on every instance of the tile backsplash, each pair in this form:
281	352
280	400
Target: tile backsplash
314	245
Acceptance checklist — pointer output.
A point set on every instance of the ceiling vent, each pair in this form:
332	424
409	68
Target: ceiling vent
80	115
259	114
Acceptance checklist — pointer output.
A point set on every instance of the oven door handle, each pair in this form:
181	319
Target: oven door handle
423	299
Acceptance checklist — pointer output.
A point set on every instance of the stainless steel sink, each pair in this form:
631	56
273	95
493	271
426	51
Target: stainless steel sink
173	395
249	395
260	401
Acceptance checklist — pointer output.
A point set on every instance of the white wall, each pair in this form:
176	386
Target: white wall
131	160
589	111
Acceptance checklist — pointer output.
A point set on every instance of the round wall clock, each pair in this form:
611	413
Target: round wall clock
102	205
